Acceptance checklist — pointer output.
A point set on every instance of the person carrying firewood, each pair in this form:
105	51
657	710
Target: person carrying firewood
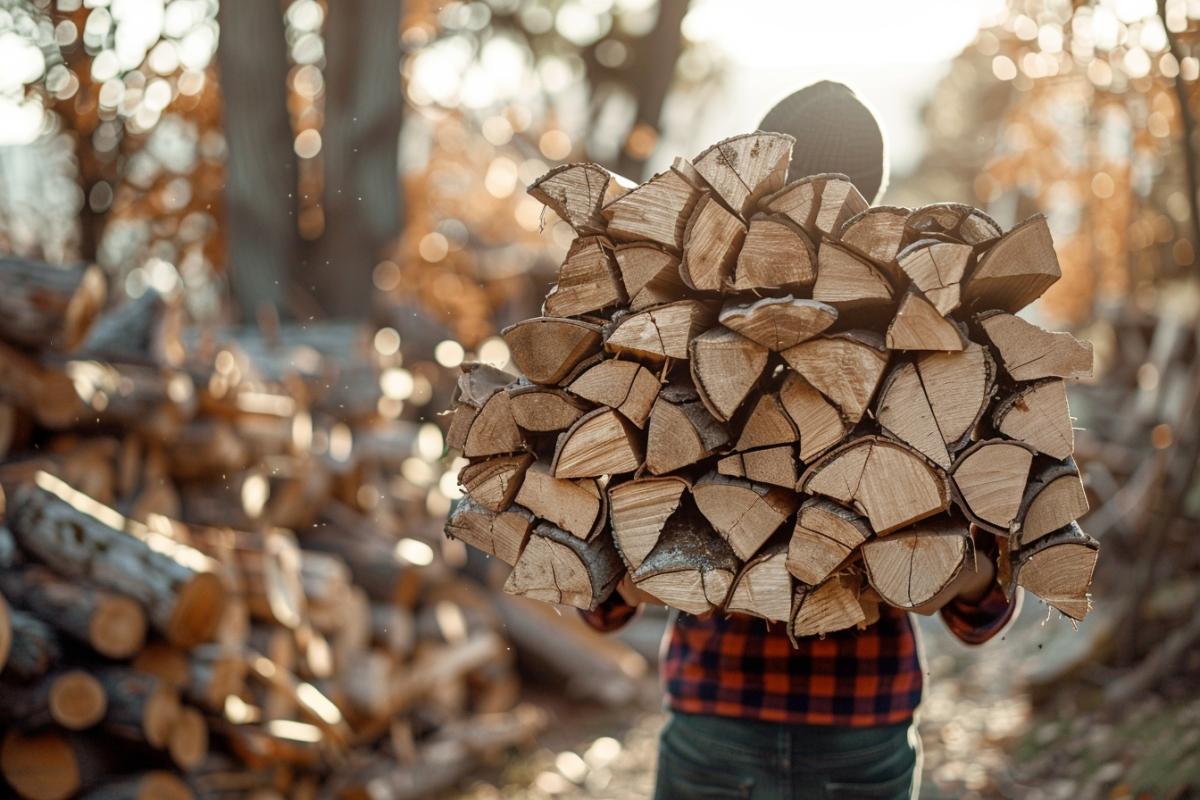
753	716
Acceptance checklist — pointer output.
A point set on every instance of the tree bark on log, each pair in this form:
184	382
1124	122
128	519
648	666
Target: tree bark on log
47	307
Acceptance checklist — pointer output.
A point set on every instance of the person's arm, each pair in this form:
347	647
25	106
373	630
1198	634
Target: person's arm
974	606
620	607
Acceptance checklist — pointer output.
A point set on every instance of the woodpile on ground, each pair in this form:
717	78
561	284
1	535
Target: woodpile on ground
221	574
760	396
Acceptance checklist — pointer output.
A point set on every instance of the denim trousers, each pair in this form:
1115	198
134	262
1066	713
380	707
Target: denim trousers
705	757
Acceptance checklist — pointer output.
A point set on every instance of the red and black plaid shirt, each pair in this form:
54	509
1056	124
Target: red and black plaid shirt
736	667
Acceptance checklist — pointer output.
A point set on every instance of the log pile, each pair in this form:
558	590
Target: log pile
760	396
220	569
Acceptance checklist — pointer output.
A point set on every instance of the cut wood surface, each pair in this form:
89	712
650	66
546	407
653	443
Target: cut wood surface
767	424
660	332
82	538
587	280
833	606
918	325
743	168
818	421
494	482
558	567
960	222
691	567
546	349
776	255
910	567
937	268
626	386
501	534
542	409
681	434
891	484
824	537
601	442
1058	569
819	203
778	323
639	509
877	234
1053	499
711	243
904	411
990	476
1016	270
959	388
1038	415
763	588
849	282
845	368
1029	353
744	513
51	765
493	429
72	699
577	192
725	366
650	274
573	505
771	465
140	707
657	211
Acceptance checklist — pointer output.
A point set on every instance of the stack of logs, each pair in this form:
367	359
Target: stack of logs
219	572
763	397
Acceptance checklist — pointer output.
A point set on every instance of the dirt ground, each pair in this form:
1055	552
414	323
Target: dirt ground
975	717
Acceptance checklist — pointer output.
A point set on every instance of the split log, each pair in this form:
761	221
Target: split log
937	268
771	465
711	242
543	409
48	307
956	221
493	429
573	505
559	567
587	280
990	478
877	233
744	513
1058	568
205	675
888	482
910	567
767	424
763	588
81	538
577	193
35	648
681	434
845	367
725	366
741	169
1016	270
493	483
959	388
661	332
850	284
502	534
820	204
113	625
690	568
818	422
73	699
824	537
833	606
626	386
155	785
918	325
639	509
650	274
53	766
546	349
1038	415
141	708
904	411
778	323
601	442
657	211
776	255
1029	353
1053	499
476	385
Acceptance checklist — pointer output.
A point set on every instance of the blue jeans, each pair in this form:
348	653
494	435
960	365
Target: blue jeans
704	757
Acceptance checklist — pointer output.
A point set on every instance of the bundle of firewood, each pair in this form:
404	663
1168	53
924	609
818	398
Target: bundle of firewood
219	572
763	397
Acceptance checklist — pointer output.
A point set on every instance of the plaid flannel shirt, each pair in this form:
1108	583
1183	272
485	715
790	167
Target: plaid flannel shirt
736	666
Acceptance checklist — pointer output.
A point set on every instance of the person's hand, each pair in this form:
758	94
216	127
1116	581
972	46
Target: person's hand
971	584
634	596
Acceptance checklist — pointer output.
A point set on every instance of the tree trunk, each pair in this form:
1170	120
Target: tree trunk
364	106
